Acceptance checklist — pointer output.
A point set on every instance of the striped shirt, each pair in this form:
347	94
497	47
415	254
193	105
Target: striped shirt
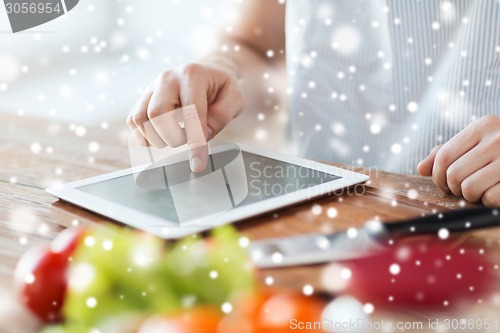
380	82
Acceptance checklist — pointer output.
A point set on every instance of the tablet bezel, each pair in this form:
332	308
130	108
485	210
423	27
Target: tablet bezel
172	230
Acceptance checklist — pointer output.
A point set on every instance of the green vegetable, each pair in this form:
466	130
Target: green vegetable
211	271
118	271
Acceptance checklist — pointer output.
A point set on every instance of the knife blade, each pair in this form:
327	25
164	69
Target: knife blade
357	243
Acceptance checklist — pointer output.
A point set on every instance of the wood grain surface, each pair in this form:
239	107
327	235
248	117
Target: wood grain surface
35	154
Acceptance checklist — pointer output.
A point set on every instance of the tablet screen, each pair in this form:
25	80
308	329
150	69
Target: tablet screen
266	178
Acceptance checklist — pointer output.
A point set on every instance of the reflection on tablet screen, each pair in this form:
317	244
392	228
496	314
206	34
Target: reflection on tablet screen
266	178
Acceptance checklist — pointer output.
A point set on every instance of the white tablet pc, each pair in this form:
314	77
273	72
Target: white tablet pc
265	181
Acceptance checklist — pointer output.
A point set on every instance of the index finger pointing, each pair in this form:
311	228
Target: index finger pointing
196	137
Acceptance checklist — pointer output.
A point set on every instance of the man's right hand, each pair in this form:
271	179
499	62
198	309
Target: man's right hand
217	94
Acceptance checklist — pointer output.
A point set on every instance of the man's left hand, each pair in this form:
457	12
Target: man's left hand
468	164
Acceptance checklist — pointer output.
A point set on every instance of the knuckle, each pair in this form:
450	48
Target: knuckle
490	198
154	112
138	119
495	141
485	122
435	148
488	119
443	156
165	75
453	175
191	69
476	126
468	191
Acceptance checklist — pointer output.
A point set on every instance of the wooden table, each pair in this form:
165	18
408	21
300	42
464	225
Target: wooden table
35	154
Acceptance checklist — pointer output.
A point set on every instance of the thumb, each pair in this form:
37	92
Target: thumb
424	168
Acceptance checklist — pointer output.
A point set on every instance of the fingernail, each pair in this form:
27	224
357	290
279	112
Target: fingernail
196	164
210	133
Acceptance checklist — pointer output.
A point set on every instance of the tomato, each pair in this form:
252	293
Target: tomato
66	242
41	276
201	319
421	273
281	310
272	312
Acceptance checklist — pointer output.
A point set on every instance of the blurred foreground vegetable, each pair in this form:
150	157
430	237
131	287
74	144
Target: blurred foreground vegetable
428	274
251	312
90	276
41	276
196	320
272	312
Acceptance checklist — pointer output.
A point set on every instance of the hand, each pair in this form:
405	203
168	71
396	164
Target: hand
468	164
218	97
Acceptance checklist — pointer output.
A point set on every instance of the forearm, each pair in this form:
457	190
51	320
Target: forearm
252	46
